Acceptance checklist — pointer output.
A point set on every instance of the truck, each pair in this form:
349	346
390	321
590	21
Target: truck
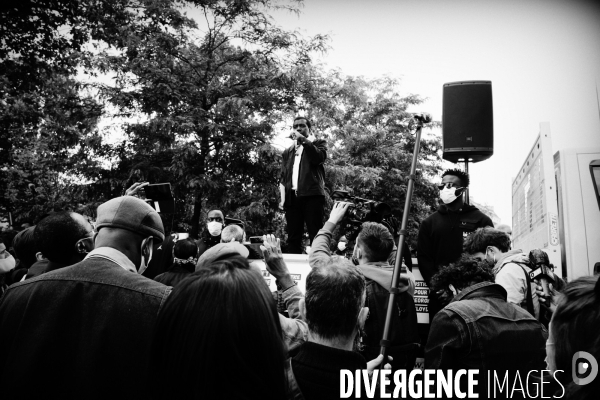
556	205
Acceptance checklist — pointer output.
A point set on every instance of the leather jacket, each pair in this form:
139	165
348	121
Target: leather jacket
479	329
311	176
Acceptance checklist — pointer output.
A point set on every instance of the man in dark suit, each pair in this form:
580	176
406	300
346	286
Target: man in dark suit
302	184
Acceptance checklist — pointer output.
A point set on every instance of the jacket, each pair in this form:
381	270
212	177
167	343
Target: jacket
479	329
403	335
82	331
440	240
511	272
311	175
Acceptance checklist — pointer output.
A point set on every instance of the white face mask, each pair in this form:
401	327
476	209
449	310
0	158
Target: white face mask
342	246
144	263
214	228
6	264
449	195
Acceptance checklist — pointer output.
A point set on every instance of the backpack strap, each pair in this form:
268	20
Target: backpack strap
293	390
529	297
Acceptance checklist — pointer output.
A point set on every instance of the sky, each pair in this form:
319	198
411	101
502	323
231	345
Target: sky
542	56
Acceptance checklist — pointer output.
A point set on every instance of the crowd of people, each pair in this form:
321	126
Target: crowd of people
87	313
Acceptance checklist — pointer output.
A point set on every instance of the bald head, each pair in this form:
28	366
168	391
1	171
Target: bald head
232	233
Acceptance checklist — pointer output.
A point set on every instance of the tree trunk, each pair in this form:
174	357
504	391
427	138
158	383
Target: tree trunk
195	223
196	216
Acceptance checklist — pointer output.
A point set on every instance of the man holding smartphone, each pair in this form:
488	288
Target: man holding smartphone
302	184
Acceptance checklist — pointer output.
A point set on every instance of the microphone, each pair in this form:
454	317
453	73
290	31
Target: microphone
540	269
422	117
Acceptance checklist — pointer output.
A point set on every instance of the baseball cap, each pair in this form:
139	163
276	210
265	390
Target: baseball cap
221	251
132	214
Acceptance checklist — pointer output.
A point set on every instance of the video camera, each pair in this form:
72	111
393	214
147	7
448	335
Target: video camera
361	210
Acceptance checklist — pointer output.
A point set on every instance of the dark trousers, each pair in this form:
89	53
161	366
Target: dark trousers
300	210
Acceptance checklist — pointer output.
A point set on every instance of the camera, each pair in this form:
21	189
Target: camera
361	210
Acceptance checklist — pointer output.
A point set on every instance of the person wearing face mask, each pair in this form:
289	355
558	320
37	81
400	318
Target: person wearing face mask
302	184
511	267
62	238
212	235
85	329
441	235
7	261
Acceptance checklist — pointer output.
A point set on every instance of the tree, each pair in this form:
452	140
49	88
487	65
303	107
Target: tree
49	142
371	142
211	99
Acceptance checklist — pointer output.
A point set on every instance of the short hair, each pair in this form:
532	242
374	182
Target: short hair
218	322
465	272
232	232
575	325
478	241
185	249
462	175
376	241
25	247
304	118
335	294
56	235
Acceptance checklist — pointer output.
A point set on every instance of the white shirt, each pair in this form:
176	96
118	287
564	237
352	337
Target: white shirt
113	255
296	169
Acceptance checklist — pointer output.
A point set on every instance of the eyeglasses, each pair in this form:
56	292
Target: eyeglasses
218	219
299	126
448	185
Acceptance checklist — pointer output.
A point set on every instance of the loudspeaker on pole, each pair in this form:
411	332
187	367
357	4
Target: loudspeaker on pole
468	121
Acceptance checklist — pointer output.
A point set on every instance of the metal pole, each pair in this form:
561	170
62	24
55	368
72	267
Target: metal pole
385	342
467	201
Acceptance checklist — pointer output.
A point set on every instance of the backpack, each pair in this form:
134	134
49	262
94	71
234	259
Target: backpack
404	335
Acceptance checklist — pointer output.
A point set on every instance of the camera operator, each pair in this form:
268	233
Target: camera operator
374	249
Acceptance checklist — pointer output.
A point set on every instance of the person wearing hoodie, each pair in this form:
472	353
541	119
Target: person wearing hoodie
375	250
441	235
511	267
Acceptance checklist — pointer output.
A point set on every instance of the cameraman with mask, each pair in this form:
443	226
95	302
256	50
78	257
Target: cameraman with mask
441	235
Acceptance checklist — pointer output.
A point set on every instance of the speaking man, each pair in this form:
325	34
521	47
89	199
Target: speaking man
302	184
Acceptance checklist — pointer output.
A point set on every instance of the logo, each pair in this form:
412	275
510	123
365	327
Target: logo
584	368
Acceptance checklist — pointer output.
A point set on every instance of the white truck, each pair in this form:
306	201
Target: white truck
556	205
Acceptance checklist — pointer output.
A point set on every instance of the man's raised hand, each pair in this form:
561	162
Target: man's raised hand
338	211
271	250
135	188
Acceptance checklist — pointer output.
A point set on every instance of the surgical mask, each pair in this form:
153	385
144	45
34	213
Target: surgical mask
214	228
6	264
342	246
448	195
144	263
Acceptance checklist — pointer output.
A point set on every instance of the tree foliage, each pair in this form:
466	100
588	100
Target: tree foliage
371	142
196	98
211	96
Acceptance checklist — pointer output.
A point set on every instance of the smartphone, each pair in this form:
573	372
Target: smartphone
256	239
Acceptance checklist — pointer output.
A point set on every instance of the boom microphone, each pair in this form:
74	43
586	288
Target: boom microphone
422	117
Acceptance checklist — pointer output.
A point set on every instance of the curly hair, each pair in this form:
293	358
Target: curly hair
465	272
462	175
479	240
